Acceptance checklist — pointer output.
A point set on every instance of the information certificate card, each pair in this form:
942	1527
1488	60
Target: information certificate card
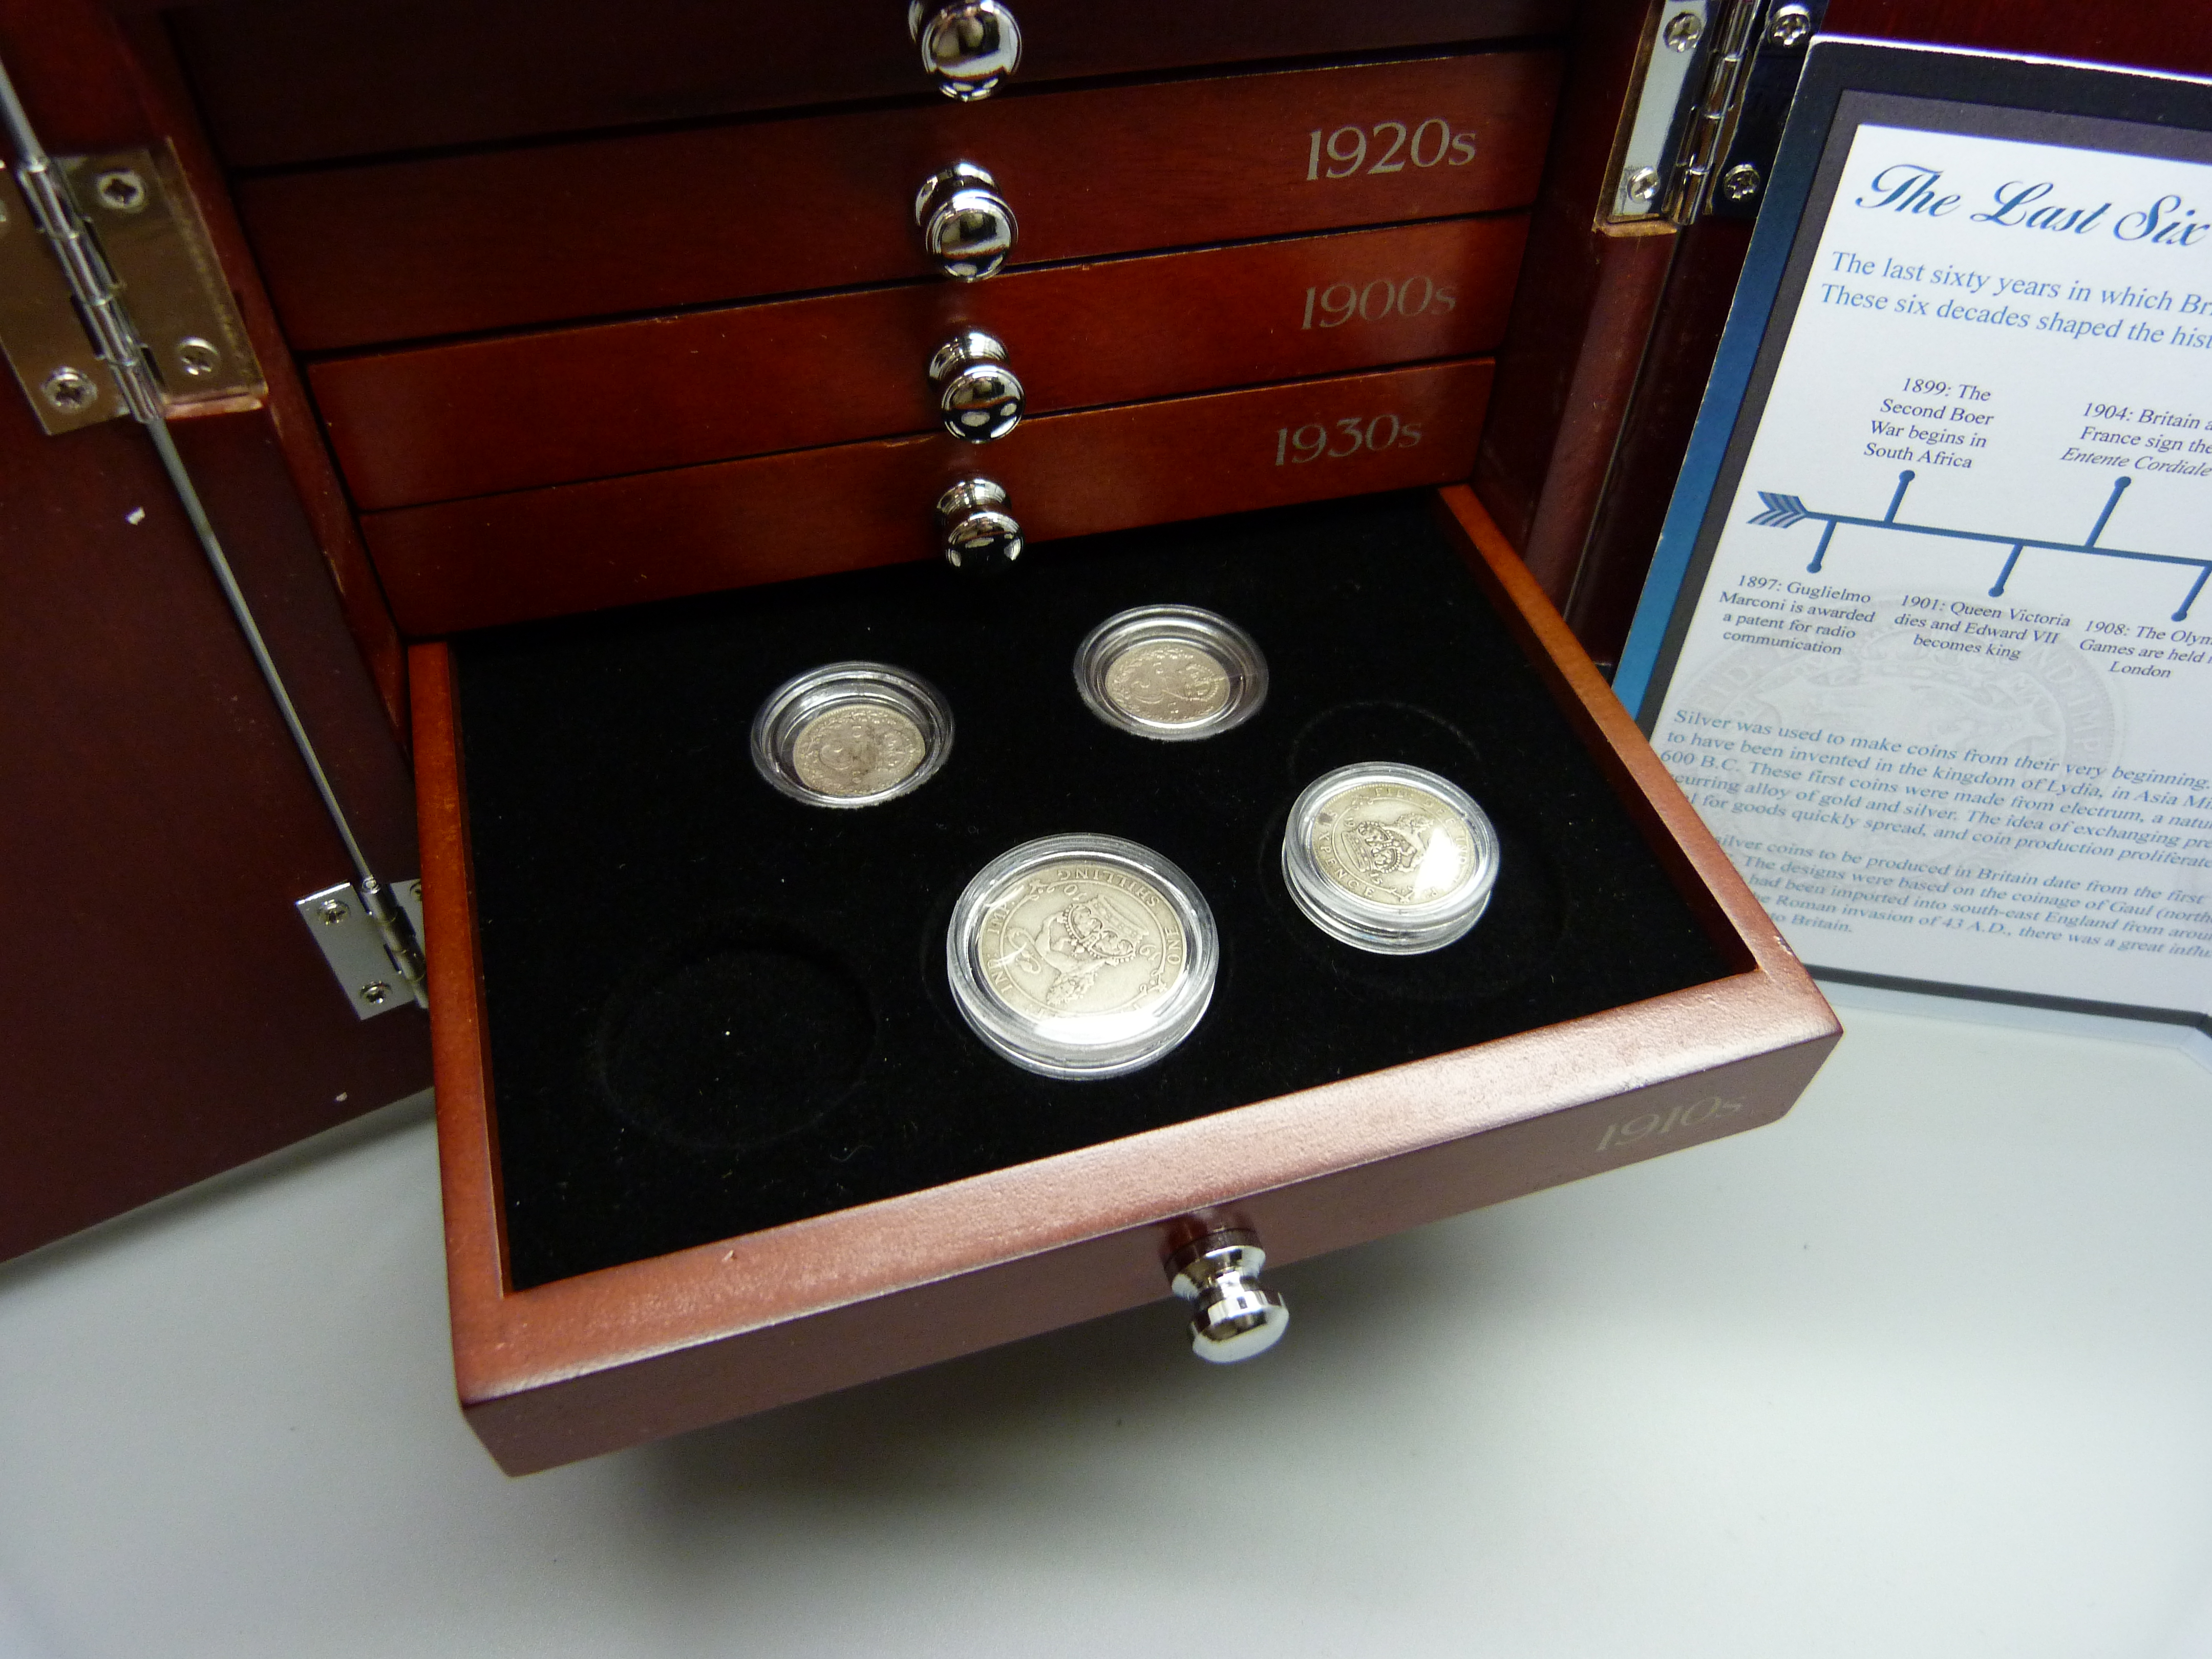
1929	642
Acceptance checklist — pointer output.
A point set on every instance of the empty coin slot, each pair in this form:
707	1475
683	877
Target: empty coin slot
739	1038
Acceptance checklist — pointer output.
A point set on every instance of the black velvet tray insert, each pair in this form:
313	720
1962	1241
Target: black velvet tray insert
713	1009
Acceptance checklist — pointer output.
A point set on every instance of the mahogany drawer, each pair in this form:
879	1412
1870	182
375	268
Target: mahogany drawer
476	417
620	541
622	1266
411	250
281	82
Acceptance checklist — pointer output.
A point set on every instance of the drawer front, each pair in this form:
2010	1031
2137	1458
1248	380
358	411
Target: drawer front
478	418
281	84
620	541
414	250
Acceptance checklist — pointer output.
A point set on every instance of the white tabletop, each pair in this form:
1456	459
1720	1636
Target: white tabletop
1925	1369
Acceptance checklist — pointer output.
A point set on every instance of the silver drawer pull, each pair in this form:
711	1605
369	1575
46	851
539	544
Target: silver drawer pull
979	537
1233	1316
967	47
978	397
966	226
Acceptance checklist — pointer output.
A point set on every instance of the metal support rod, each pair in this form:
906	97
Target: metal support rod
116	338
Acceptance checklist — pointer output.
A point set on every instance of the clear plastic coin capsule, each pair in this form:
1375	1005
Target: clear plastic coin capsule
852	734
1170	672
1390	859
1081	955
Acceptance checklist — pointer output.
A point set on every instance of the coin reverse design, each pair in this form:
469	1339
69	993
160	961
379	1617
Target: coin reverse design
1391	859
857	749
1170	672
852	734
1081	955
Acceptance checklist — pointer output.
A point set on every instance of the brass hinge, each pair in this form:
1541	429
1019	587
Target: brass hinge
1698	133
139	233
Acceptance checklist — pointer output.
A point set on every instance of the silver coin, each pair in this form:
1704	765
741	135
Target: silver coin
851	734
1082	939
857	749
1168	682
1392	843
1172	673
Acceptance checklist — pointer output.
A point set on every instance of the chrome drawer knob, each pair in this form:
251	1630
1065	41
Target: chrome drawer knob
978	397
979	536
966	226
967	47
1232	1315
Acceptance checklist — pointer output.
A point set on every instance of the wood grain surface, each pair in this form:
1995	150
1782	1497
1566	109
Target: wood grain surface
404	251
2165	34
290	80
1654	433
476	417
168	1016
622	541
1574	341
609	1358
150	68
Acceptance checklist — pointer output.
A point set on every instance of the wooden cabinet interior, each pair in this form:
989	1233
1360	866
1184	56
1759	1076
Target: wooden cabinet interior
160	1053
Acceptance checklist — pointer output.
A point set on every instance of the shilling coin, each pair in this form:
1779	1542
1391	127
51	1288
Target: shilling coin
852	734
1391	859
1170	672
1081	955
1083	939
1394	843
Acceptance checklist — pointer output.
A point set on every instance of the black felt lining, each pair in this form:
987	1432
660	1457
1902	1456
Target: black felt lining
713	1009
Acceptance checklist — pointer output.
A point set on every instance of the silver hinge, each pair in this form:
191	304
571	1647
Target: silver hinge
1699	135
366	966
136	227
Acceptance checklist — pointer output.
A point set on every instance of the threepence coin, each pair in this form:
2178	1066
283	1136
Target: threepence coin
1391	859
1081	955
857	749
852	734
1170	672
1167	682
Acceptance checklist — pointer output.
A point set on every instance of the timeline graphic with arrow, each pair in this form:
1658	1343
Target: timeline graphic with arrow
1784	511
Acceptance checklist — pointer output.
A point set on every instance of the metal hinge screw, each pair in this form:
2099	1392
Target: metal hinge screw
69	391
374	992
1644	183
1683	31
1789	26
196	358
122	190
333	911
1740	182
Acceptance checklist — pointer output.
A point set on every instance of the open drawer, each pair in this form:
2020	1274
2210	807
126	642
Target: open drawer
714	1135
